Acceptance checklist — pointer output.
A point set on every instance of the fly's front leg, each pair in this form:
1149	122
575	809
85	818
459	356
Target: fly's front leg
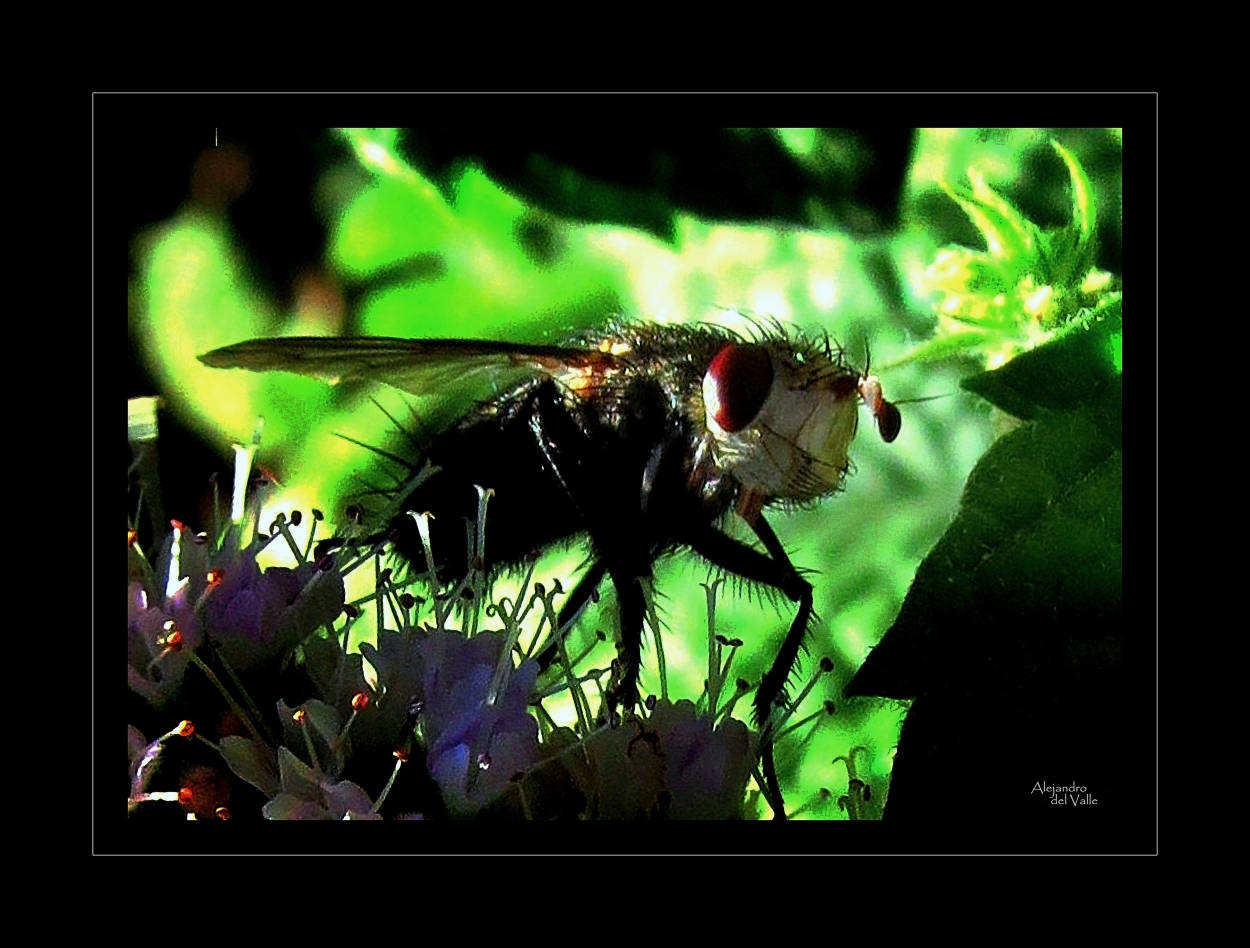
774	570
772	689
777	571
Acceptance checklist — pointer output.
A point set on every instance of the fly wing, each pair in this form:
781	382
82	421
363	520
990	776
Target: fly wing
419	366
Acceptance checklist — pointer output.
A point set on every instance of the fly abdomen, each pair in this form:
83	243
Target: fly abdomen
498	451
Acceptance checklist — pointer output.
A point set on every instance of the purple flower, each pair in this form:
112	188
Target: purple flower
255	615
308	794
474	744
160	642
706	768
676	764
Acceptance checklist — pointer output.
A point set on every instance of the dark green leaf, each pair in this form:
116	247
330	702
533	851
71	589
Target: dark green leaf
1034	556
1075	372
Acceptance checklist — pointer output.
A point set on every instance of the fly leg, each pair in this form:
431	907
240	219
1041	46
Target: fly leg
627	574
633	607
626	560
777	571
798	590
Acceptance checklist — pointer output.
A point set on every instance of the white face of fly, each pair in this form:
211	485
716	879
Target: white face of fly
782	418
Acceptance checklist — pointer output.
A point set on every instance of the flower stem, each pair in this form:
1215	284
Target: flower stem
234	705
247	698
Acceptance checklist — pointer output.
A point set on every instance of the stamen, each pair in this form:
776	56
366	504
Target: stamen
401	757
819	800
301	718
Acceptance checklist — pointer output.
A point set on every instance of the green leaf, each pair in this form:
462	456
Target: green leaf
1028	576
1084	209
1071	249
1055	259
1039	529
1009	236
1036	544
1076	371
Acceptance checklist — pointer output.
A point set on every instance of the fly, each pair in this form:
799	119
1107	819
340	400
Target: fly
642	438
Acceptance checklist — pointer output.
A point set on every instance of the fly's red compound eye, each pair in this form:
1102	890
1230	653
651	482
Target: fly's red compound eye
737	384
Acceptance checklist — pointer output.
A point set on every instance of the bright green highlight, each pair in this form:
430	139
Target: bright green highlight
801	141
1028	282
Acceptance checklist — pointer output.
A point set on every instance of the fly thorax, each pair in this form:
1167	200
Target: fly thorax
781	420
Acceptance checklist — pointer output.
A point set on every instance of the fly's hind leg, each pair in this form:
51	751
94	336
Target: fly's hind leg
626	559
632	603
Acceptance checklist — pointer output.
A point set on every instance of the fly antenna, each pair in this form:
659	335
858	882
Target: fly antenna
924	398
